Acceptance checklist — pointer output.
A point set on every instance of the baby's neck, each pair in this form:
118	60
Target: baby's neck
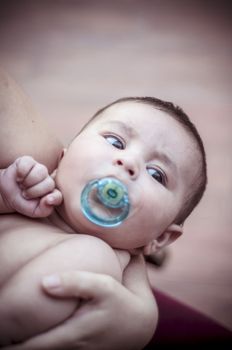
56	219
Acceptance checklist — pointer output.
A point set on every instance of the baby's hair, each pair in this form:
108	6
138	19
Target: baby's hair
198	187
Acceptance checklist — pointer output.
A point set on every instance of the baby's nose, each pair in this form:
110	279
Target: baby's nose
129	165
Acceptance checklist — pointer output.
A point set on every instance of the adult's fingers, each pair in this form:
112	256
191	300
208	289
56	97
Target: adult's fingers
88	285
113	315
80	284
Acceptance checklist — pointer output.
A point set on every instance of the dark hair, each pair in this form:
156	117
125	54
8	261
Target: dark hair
198	187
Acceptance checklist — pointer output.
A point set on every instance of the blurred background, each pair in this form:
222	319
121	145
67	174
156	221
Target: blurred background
73	57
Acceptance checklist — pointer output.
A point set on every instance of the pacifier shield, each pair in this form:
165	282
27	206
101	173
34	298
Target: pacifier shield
105	202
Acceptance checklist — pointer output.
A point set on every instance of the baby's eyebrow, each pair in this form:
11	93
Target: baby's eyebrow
165	158
130	132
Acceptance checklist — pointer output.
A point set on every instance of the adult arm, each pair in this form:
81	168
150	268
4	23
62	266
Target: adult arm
23	131
114	317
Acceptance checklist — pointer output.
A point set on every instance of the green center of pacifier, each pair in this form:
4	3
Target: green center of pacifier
112	193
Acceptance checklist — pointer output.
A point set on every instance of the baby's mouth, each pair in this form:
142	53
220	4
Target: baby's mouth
105	202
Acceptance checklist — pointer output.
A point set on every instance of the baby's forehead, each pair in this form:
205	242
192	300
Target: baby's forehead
142	118
133	112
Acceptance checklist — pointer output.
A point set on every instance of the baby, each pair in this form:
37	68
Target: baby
147	144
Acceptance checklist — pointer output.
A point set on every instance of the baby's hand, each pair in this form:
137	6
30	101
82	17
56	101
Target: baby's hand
26	187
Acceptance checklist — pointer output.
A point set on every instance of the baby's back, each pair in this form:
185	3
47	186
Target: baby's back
29	250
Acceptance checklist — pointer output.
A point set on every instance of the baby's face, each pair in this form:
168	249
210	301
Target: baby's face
149	152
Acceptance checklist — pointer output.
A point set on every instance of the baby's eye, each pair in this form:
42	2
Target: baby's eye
115	141
158	175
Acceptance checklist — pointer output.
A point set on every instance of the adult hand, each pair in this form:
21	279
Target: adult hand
112	316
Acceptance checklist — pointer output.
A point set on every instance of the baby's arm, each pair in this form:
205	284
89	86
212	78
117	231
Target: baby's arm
26	187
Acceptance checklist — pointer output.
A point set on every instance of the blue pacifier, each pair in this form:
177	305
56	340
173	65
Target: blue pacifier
105	202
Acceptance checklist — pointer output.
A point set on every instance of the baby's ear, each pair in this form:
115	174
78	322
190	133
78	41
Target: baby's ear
167	237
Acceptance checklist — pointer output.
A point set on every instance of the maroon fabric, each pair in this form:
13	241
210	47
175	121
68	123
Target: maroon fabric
180	324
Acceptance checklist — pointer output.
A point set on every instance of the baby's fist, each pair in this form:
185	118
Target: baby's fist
28	188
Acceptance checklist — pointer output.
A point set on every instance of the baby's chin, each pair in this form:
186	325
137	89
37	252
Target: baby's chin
116	237
121	236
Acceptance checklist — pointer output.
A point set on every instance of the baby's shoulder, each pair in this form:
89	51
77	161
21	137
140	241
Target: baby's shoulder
18	223
21	240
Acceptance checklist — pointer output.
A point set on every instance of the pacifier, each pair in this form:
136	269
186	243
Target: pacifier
105	202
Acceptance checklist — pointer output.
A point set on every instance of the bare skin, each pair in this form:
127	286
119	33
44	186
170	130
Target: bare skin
115	159
46	251
24	130
106	297
27	187
27	179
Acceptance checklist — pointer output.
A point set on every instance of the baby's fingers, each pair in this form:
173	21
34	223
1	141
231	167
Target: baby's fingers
39	190
36	173
55	198
47	203
24	165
